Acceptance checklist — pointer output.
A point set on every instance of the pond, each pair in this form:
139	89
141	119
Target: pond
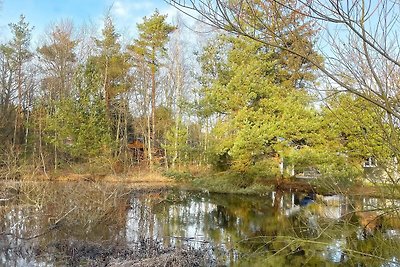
89	224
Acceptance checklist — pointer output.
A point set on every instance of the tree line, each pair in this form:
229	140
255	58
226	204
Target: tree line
78	97
358	74
246	104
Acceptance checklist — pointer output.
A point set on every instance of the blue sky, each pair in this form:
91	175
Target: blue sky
40	13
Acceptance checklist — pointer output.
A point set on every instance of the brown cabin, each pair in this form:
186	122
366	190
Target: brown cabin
136	144
138	148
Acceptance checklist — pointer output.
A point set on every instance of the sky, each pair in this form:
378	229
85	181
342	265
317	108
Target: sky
41	13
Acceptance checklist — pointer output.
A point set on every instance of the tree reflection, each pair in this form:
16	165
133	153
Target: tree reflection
279	229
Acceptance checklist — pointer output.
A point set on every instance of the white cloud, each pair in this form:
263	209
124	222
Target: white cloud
119	9
125	8
127	13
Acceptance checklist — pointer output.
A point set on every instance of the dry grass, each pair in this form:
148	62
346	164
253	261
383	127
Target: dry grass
139	177
143	178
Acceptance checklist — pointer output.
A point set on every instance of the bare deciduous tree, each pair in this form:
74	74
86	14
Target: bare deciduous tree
358	41
359	38
58	60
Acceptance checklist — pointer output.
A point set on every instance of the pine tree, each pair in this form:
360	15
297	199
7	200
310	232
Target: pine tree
20	54
260	118
150	48
112	64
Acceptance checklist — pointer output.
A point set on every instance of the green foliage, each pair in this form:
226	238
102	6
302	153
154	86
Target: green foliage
229	182
220	160
363	129
153	35
176	143
259	118
264	169
79	126
19	45
252	97
262	120
111	64
164	122
147	52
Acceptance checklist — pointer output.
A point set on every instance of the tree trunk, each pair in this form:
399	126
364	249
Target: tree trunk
149	143
153	112
119	122
18	116
106	92
125	144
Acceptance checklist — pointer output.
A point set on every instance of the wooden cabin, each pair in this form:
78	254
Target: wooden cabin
136	144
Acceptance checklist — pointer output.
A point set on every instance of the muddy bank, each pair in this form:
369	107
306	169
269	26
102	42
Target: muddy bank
288	185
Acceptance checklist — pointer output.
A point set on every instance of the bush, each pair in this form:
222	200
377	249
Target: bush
229	182
178	176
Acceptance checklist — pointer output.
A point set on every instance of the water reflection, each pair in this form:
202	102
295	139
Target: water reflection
278	229
240	227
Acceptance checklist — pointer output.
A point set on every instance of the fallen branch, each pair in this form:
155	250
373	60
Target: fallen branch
49	229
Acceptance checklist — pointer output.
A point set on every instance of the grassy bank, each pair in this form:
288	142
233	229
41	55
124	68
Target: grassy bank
203	180
228	182
220	182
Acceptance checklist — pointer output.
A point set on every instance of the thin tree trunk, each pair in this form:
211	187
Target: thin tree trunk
126	133
177	116
119	151
166	158
149	143
153	104
28	117
204	157
55	152
26	132
41	144
15	129
18	116
174	159
106	91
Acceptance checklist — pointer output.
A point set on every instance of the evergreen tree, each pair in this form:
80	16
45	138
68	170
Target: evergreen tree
361	130
112	64
260	119
83	131
20	54
150	48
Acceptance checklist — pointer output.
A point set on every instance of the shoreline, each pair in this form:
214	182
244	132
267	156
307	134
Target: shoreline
142	179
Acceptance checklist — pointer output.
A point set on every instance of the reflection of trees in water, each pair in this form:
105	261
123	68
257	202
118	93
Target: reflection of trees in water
232	225
248	229
50	212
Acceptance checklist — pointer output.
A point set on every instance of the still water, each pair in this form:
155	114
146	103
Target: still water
275	229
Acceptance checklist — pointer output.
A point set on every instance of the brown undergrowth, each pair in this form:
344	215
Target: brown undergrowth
140	176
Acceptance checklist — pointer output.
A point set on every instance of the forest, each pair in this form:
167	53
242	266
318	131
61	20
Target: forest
236	133
258	104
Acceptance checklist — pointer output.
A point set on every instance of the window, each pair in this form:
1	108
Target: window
370	162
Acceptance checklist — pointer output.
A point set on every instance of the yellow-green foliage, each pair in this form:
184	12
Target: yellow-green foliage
79	127
261	118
